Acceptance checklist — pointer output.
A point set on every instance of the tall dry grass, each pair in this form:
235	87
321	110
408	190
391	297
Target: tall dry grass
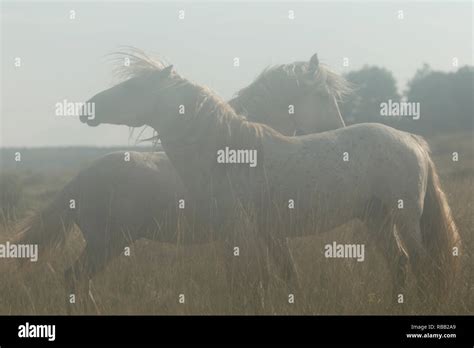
150	280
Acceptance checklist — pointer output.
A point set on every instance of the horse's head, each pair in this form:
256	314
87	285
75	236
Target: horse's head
130	102
295	98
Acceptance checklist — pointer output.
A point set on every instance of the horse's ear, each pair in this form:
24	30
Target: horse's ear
314	62
167	71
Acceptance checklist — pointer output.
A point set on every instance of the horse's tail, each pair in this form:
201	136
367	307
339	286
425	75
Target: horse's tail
48	227
439	232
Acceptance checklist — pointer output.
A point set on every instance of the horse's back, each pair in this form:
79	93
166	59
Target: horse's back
356	164
129	187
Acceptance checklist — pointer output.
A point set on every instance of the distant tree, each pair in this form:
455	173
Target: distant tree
372	86
463	96
446	99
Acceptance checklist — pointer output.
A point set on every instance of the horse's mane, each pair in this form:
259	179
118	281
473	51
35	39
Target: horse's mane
286	80
321	78
211	107
139	63
209	102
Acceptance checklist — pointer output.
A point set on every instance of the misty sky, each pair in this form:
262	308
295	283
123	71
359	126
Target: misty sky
65	59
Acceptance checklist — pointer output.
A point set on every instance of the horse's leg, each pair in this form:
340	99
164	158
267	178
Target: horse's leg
92	261
410	234
77	281
94	258
282	258
261	257
247	287
380	224
229	263
396	260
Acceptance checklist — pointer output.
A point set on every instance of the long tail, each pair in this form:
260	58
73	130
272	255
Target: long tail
439	232
49	227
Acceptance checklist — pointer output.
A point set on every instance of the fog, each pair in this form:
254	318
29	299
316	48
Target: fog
64	58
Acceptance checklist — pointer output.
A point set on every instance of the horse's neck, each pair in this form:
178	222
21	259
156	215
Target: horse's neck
192	142
252	110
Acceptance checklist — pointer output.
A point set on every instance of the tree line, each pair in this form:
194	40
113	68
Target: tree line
445	99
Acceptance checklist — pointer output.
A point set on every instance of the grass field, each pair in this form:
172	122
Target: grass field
151	279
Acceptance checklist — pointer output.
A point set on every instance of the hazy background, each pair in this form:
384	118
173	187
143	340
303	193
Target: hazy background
64	59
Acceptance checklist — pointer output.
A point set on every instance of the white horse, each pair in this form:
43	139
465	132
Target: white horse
389	180
139	198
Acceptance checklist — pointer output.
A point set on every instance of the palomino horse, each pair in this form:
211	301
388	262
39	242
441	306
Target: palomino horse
370	172
137	198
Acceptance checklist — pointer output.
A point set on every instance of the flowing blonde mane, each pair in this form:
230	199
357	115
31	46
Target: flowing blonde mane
274	85
212	111
323	78
209	104
139	63
285	81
